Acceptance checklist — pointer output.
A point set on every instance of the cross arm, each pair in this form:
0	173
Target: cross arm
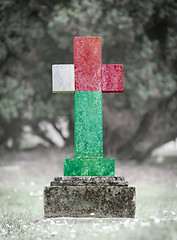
112	77
63	78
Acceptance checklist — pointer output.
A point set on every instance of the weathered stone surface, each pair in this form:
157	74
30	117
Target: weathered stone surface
94	200
87	63
63	78
112	77
88	130
84	181
89	167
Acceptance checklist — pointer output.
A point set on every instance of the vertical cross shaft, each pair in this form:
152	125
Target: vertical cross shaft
88	98
88	131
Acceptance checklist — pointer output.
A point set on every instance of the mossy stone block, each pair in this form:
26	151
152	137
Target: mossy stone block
95	199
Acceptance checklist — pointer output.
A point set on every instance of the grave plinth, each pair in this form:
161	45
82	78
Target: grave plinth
88	187
89	197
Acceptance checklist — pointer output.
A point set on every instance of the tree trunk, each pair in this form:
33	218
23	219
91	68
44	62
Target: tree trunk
136	137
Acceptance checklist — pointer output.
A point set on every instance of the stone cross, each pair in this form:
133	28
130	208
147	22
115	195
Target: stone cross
87	79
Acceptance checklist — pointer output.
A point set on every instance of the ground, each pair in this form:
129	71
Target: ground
24	174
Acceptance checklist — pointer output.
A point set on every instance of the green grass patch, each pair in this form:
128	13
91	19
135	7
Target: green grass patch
21	216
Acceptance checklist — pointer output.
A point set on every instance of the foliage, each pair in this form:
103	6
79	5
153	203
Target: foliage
35	34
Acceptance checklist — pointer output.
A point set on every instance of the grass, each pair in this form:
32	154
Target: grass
21	206
21	216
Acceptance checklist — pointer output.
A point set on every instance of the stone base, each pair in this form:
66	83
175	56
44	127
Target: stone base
102	197
89	167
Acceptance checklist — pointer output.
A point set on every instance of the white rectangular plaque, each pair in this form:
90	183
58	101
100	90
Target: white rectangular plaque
63	78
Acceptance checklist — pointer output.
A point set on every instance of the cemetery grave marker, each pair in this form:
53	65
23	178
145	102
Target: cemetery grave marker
89	184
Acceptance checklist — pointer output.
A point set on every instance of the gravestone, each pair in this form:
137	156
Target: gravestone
89	187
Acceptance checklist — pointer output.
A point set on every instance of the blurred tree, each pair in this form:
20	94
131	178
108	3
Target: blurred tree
140	34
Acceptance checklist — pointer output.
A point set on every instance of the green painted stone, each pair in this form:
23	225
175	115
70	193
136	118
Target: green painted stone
88	129
89	167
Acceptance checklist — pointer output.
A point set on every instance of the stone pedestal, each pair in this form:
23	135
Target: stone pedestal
103	197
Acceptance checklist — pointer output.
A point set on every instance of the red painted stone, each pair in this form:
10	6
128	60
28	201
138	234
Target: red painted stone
87	63
112	78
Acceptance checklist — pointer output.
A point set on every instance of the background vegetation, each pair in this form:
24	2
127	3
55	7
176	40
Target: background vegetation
34	34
